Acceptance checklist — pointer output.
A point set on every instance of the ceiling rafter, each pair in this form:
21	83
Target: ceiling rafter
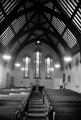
14	33
45	15
75	11
46	1
55	48
78	5
75	49
49	39
25	13
12	30
51	16
2	9
30	34
50	11
20	33
26	42
1	46
67	21
9	19
14	14
33	1
58	36
5	17
38	35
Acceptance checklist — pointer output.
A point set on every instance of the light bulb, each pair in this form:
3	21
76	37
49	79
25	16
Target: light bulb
22	69
38	42
67	58
57	65
6	57
17	64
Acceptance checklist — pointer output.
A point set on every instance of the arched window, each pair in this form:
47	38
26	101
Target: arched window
48	66
26	62
37	61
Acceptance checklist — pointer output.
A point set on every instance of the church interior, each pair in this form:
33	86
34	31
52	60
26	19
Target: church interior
40	60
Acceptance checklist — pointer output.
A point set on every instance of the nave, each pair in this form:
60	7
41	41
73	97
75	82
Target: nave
39	103
40	43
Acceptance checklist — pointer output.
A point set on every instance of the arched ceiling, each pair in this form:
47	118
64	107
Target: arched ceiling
54	22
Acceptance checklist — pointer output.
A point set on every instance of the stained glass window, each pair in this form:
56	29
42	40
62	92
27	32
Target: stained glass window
48	64
26	61
37	64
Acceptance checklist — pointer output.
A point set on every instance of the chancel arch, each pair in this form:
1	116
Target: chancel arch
37	65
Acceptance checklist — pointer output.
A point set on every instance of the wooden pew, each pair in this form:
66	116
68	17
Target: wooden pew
66	104
11	104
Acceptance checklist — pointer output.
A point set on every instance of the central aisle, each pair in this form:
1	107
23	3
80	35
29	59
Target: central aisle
36	108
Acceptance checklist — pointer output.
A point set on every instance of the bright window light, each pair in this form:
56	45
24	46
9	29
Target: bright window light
57	65
22	69
17	64
67	58
6	57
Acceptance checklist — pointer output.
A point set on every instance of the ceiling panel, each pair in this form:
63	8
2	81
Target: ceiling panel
49	5
18	23
69	38
7	36
59	25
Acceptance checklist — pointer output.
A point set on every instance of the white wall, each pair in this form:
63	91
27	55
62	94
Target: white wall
75	73
56	74
4	69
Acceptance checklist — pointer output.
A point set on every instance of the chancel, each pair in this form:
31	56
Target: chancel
40	60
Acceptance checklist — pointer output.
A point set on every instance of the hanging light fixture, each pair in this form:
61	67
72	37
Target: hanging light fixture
67	57
6	57
57	65
52	69
17	65
22	69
